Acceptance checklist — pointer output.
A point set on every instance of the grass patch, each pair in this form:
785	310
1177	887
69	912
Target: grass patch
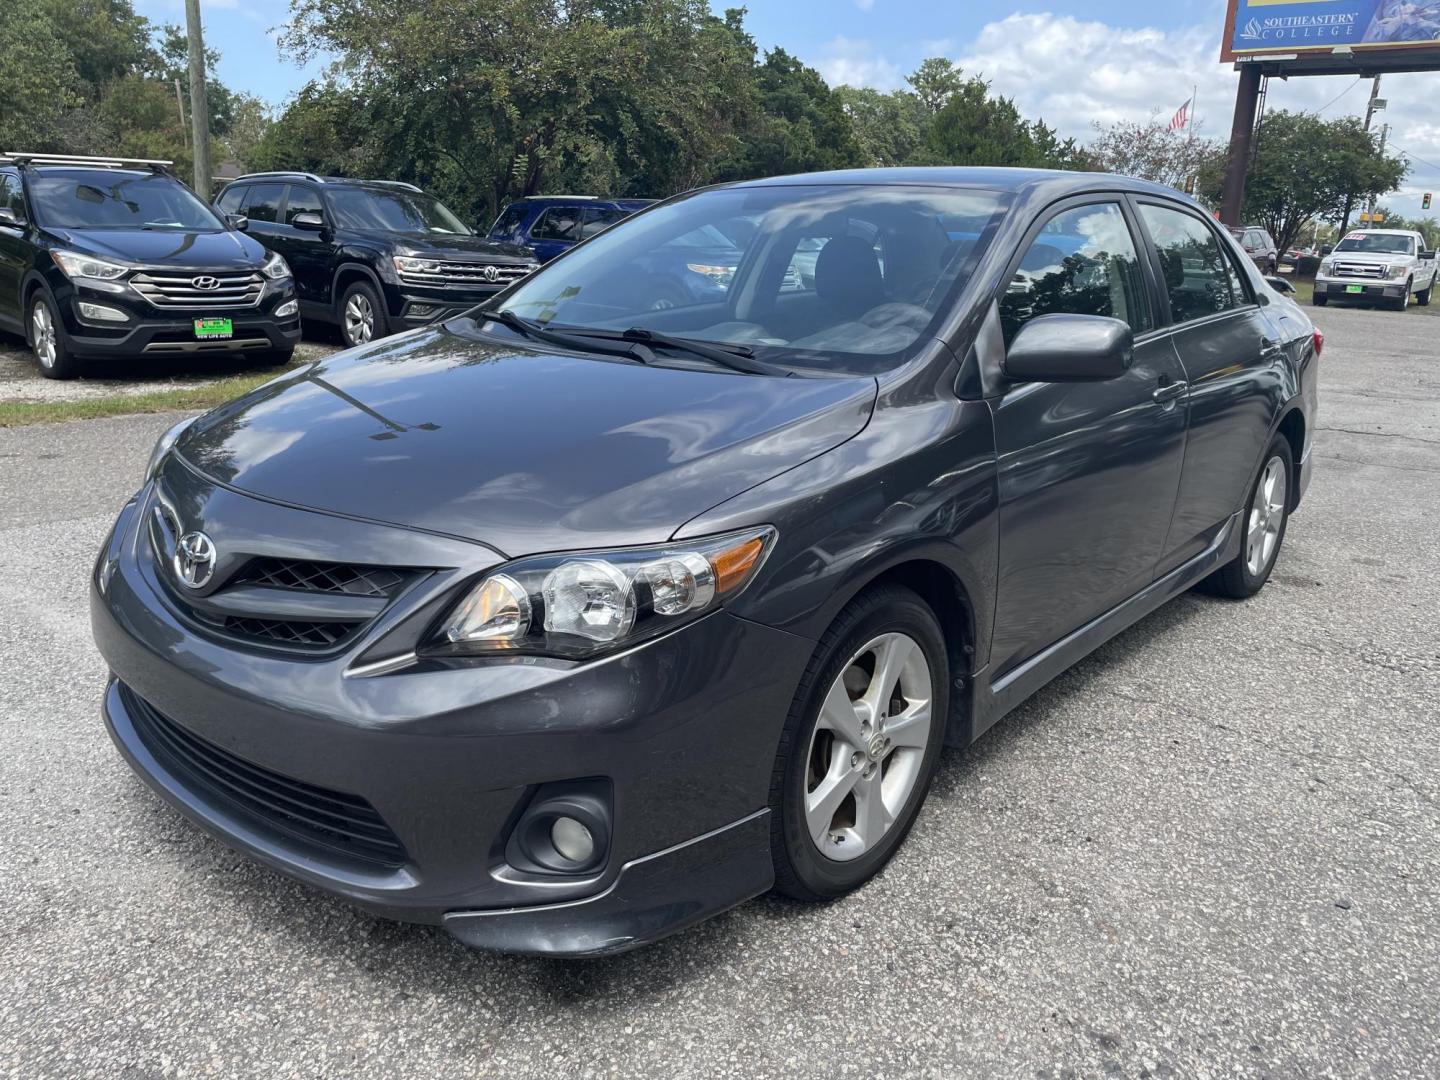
180	399
1304	290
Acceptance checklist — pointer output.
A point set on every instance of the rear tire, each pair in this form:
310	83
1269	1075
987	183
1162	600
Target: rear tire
45	334
1262	527
1423	298
860	745
361	315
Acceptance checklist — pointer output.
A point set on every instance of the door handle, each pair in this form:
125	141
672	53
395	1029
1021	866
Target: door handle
1269	349
1170	391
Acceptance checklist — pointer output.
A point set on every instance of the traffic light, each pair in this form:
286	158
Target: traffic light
1425	202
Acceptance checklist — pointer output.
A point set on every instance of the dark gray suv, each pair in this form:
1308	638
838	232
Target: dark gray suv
575	619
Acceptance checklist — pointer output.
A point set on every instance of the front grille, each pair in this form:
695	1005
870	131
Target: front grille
1358	270
323	577
317	817
289	632
470	275
176	291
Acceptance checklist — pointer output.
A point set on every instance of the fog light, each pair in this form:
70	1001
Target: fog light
572	840
102	313
289	307
420	309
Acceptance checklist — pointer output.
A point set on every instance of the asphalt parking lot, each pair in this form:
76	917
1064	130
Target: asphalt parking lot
1212	849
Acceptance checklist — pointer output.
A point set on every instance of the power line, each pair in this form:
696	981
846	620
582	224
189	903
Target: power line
1416	157
1342	93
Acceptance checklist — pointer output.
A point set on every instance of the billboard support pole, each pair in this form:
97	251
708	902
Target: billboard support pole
1242	134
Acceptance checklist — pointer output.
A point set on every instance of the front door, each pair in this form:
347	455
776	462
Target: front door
1087	470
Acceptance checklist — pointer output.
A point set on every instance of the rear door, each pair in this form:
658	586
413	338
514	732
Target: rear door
557	229
262	207
1228	348
14	247
308	251
1087	470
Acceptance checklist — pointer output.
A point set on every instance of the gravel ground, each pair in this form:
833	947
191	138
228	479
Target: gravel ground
1209	850
20	378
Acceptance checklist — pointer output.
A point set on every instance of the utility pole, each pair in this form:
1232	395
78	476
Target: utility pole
1369	116
199	106
1384	135
180	104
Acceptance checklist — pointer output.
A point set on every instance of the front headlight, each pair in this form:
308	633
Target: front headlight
1326	268
275	266
1397	272
406	264
75	265
578	605
163	446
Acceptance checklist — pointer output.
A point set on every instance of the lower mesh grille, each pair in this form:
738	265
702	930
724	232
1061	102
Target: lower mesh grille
317	817
290	633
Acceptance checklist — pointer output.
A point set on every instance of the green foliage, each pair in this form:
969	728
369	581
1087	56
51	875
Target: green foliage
974	128
38	83
1152	151
1306	167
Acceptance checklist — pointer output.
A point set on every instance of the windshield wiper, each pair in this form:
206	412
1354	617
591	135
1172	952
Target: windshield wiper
633	349
736	357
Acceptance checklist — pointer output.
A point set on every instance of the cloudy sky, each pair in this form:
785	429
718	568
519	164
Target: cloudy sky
1068	61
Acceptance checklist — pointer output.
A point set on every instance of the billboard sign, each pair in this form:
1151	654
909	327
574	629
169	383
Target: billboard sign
1257	27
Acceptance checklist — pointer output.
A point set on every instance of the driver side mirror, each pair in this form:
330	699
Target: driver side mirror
308	220
1070	348
9	217
238	222
1425	256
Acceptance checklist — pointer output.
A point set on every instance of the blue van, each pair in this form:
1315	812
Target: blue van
550	224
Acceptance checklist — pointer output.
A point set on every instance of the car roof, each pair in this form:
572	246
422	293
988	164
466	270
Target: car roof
79	172
1057	182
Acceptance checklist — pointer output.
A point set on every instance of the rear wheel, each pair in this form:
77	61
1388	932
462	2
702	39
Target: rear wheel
47	336
1263	525
1423	297
860	745
362	317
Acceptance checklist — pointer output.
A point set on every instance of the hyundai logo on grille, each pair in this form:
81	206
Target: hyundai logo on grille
492	274
194	560
205	281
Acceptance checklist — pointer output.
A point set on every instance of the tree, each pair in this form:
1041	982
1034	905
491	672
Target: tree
974	128
935	82
1306	167
1152	151
890	129
37	84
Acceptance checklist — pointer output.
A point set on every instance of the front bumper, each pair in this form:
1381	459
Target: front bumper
417	305
685	728
154	331
1370	289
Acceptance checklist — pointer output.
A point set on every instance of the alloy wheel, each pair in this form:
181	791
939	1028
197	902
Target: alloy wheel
42	333
868	747
359	319
1267	516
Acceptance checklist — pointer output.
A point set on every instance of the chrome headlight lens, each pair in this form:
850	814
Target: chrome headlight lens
75	265
1327	267
407	264
275	267
1395	273
163	446
578	605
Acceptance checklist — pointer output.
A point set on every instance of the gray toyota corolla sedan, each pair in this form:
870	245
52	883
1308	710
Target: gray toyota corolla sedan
588	614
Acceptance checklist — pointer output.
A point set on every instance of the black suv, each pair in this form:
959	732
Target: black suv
372	256
107	257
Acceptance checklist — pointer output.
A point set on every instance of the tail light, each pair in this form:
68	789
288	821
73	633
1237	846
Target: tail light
1319	342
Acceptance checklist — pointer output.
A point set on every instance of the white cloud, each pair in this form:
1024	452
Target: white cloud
854	62
864	5
1073	73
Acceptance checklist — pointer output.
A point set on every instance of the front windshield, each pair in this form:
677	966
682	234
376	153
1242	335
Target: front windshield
1379	243
798	273
391	211
96	200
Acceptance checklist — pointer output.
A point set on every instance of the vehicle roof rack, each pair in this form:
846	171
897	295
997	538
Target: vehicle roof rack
280	172
392	183
26	157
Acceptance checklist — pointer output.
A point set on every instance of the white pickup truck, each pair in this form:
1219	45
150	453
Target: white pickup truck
1387	266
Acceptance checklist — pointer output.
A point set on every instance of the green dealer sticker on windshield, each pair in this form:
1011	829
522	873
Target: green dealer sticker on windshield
213	328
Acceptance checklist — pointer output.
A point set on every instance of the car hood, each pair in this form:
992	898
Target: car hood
225	249
520	448
479	247
1370	258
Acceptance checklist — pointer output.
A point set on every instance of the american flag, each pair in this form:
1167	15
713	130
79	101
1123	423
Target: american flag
1181	117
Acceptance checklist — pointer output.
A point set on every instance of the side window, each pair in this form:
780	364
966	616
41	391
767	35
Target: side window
12	196
1084	262
598	220
1198	276
302	200
263	203
557	223
231	198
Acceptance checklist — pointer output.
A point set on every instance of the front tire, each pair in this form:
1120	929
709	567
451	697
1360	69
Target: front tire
1404	302
47	337
362	315
1319	299
1266	517
860	745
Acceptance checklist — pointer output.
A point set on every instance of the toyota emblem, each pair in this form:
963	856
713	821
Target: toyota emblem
194	560
206	282
492	274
